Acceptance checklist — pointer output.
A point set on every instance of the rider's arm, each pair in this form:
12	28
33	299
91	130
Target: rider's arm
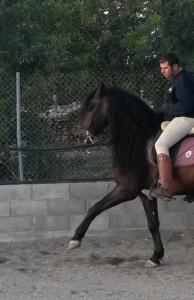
184	93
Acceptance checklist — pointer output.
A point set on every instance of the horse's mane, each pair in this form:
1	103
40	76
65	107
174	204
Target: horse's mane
131	122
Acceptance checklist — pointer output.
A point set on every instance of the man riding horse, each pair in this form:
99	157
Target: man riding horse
179	110
132	125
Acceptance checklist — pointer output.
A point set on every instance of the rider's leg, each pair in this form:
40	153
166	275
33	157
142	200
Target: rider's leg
177	129
165	175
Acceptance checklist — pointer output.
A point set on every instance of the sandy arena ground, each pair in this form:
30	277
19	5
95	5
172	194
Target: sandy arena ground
104	268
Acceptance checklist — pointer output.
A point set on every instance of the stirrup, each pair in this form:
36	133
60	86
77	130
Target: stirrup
167	197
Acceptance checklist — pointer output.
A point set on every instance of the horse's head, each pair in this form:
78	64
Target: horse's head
92	118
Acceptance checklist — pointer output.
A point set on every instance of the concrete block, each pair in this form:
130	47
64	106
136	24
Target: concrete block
114	210
4	209
161	206
22	236
60	233
38	235
67	207
15	192
41	235
173	220
101	222
31	236
24	223
5	237
29	208
135	206
127	221
53	234
179	205
111	186
191	220
189	206
108	232
92	190
51	223
51	191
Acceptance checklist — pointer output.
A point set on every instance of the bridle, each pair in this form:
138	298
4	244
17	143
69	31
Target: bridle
88	136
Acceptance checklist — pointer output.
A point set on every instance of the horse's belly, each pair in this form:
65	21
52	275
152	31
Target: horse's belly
183	181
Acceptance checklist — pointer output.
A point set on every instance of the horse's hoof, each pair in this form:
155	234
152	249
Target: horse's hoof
151	264
74	245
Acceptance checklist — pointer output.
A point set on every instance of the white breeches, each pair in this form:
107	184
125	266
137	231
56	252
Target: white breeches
177	129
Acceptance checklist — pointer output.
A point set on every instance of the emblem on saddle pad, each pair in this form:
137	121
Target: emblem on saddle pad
188	154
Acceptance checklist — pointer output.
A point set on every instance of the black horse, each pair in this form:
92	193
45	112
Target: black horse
132	125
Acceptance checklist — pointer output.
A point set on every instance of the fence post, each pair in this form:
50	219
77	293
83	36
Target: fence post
18	108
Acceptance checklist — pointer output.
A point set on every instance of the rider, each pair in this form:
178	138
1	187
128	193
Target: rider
180	111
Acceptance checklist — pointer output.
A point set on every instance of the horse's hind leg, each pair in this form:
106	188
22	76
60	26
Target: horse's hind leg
151	211
112	199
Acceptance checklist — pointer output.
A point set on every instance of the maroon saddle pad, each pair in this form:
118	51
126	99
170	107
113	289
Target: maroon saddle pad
182	153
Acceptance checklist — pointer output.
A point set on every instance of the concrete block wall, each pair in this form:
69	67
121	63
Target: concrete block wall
37	211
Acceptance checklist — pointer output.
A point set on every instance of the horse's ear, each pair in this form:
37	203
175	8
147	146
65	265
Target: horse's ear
100	91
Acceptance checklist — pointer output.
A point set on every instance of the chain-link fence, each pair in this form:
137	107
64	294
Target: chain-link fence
115	42
49	106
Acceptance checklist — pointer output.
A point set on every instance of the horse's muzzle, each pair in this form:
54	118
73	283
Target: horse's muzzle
84	136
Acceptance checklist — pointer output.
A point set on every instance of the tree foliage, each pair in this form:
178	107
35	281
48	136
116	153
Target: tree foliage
98	38
60	35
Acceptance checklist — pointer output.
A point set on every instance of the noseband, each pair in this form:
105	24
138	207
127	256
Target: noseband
88	136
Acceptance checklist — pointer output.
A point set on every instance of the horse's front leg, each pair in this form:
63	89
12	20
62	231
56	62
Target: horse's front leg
114	198
151	211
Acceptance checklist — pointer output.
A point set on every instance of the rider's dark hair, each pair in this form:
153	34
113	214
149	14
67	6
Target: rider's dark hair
171	57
